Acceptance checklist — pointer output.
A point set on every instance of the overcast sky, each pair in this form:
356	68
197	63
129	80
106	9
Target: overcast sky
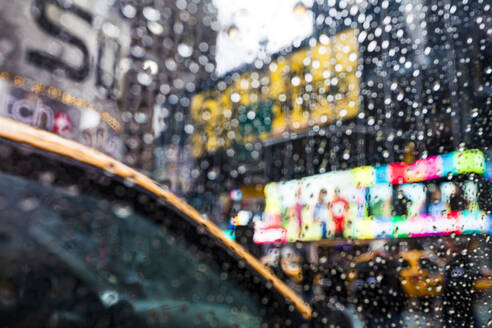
257	20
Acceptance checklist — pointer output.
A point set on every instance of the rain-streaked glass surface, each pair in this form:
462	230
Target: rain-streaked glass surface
345	144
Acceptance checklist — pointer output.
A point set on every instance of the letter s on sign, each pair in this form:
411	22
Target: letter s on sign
46	61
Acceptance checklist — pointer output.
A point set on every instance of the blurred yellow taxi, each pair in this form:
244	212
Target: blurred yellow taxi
419	275
484	283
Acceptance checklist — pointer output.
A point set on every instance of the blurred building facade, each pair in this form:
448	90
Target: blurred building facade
377	82
172	49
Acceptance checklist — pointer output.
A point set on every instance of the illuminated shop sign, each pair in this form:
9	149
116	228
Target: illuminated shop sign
270	235
392	201
62	68
265	103
49	108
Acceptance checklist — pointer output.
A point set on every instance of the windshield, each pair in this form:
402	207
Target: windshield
63	237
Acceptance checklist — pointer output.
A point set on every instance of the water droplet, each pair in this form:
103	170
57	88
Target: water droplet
185	50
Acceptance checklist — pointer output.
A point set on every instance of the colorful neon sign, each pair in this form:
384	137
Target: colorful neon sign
364	198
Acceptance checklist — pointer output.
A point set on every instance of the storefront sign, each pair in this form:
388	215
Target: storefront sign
259	105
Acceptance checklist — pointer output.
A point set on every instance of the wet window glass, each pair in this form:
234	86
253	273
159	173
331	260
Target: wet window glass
336	156
88	261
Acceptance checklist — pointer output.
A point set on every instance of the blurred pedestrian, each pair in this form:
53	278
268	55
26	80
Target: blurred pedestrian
333	283
379	295
309	271
461	273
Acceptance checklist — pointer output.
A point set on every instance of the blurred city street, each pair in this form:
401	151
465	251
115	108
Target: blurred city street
246	163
